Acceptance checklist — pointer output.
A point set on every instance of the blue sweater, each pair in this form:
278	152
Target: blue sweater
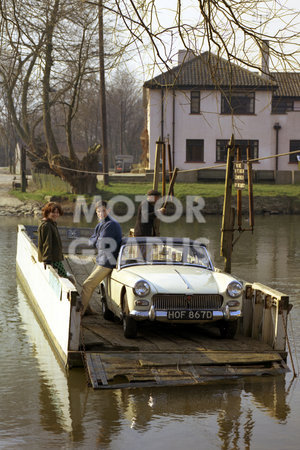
106	239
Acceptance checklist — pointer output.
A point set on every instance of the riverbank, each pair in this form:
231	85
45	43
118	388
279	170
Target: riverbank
268	199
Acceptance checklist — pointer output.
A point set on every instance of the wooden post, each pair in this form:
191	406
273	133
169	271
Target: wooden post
157	164
239	195
171	186
250	189
170	165
228	215
163	169
23	169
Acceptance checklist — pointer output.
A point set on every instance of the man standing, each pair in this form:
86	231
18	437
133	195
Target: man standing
106	238
147	224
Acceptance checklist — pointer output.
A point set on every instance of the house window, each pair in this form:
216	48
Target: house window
194	150
282	105
195	102
294	145
238	103
221	149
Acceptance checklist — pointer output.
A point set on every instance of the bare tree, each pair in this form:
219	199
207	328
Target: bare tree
125	115
48	52
49	60
232	29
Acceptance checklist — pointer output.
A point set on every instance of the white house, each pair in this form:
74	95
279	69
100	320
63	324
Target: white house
200	103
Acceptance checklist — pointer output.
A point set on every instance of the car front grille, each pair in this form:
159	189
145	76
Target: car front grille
181	301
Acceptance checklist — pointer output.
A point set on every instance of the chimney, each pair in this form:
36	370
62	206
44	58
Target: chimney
184	56
265	58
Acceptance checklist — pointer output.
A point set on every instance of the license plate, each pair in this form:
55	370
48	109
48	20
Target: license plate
194	314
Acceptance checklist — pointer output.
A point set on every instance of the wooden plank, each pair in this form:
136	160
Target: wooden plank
111	339
91	371
153	337
136	375
208	358
258	307
97	367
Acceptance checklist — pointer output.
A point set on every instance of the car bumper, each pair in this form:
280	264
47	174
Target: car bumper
162	316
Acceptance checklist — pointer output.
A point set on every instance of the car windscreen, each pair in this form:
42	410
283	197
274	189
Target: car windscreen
164	253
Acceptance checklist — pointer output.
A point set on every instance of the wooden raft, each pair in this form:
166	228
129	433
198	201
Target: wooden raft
164	354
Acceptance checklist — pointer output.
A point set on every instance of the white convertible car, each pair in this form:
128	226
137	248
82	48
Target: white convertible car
170	280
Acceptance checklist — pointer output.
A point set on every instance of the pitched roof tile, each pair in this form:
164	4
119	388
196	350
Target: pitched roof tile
288	84
208	71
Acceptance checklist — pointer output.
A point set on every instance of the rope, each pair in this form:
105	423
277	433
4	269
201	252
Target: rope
150	173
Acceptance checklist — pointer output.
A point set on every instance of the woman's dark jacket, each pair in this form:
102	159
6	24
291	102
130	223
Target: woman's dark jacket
49	242
146	222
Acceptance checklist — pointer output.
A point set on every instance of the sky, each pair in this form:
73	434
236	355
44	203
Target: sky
142	59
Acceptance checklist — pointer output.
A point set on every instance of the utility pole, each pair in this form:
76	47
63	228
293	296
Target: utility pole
102	94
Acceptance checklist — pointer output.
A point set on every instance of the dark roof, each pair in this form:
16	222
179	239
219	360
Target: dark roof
288	84
208	71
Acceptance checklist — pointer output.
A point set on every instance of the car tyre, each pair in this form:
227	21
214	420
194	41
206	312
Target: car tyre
106	312
129	327
129	324
228	329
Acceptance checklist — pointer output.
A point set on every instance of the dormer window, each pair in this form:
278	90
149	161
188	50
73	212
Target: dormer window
195	102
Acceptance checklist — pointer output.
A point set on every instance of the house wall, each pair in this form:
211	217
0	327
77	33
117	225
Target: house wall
210	125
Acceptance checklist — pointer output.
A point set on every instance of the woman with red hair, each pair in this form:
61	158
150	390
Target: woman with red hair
49	242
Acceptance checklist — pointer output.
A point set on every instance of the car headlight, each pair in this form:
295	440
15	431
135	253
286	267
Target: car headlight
234	289
141	288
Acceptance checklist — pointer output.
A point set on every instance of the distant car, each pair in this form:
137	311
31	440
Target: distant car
170	280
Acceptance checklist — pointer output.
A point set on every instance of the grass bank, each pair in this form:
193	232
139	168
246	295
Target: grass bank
130	190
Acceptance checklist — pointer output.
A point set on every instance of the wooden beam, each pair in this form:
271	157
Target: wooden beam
239	195
157	164
171	186
228	217
170	165
250	189
163	169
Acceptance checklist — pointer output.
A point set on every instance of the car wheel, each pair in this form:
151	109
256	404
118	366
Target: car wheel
129	324
228	329
107	313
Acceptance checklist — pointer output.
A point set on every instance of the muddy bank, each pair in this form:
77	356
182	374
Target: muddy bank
262	205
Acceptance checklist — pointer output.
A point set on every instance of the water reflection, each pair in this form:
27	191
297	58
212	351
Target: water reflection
67	405
61	409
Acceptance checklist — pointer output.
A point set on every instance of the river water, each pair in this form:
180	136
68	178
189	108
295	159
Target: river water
43	407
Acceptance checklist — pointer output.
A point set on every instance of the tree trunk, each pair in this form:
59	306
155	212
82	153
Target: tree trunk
103	95
81	184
